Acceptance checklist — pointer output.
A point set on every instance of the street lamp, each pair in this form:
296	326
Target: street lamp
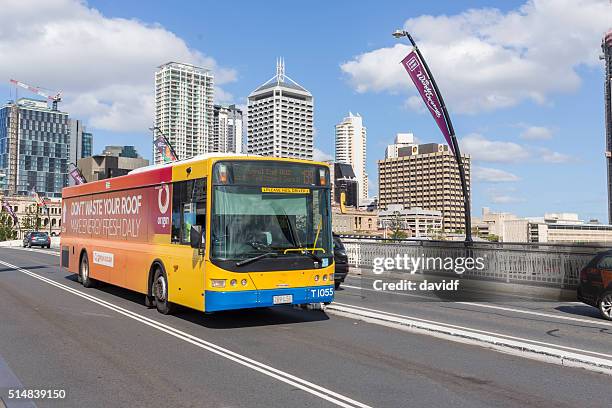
455	145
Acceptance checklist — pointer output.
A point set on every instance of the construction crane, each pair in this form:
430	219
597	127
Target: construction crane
39	91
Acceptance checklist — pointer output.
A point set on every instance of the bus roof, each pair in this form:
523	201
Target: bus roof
160	173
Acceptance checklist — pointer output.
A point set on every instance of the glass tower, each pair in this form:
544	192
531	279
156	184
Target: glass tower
34	148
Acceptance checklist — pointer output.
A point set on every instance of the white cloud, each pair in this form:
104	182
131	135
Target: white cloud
104	65
537	133
484	59
549	156
487	174
483	149
320	155
506	199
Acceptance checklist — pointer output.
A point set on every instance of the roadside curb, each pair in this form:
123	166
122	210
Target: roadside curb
465	336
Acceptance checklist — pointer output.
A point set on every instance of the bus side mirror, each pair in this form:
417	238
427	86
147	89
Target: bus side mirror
195	236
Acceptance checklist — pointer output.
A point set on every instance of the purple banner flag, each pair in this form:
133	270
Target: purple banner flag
421	80
77	176
9	210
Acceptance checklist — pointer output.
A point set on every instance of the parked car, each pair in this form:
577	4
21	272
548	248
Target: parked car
595	286
37	238
341	262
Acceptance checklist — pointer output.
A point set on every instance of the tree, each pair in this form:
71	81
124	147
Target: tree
7	230
396	227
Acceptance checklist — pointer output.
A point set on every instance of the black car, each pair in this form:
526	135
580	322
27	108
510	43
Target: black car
595	286
341	262
36	238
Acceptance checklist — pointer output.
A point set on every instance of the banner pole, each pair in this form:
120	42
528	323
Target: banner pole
455	146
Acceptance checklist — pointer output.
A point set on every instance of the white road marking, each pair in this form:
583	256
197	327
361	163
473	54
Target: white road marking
463	332
38	251
309	387
508	309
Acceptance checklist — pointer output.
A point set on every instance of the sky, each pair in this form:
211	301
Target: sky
521	79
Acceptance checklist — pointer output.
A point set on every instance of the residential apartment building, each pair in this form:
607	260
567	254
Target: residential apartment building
351	137
184	108
227	130
34	148
419	222
425	176
280	118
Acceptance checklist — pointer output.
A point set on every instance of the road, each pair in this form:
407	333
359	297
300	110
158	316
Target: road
106	349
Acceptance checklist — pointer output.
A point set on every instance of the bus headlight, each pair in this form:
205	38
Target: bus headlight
217	283
324	278
233	282
243	282
316	278
331	277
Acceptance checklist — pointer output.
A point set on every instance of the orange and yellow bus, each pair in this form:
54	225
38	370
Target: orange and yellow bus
214	232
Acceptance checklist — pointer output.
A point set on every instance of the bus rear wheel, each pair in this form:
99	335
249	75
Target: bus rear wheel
159	290
85	279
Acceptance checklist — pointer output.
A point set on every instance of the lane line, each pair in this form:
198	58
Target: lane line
508	309
38	251
307	386
398	318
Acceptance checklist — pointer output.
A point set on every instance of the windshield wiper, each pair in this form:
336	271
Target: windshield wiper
304	251
257	258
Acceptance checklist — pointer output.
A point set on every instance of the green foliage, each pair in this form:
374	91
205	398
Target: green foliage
7	231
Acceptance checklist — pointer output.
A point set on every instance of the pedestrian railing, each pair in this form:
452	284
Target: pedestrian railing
539	264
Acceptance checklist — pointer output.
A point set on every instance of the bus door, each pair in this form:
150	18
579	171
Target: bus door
186	269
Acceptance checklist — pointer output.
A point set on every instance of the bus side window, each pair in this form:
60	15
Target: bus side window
188	208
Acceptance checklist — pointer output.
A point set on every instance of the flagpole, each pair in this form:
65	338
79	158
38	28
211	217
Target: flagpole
451	130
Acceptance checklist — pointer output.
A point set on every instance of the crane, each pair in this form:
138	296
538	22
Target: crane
39	91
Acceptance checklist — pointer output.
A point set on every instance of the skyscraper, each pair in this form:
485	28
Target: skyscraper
351	149
81	141
184	108
227	130
34	148
606	46
280	118
425	176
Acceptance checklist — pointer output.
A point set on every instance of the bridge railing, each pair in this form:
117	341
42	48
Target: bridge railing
556	265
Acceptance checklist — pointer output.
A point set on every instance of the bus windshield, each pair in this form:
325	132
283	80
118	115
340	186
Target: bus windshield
251	220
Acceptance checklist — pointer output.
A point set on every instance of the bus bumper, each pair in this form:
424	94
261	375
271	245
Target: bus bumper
215	301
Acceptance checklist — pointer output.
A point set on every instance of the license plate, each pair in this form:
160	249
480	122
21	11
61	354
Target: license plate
280	299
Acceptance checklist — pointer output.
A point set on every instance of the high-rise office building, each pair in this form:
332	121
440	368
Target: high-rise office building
606	46
401	140
351	149
345	182
280	118
34	148
227	130
425	176
81	141
184	108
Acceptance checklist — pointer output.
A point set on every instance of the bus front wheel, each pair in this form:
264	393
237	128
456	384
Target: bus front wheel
86	280
160	292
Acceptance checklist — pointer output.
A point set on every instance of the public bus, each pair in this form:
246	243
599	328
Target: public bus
211	233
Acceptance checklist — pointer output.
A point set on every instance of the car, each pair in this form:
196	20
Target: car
341	262
37	238
595	285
